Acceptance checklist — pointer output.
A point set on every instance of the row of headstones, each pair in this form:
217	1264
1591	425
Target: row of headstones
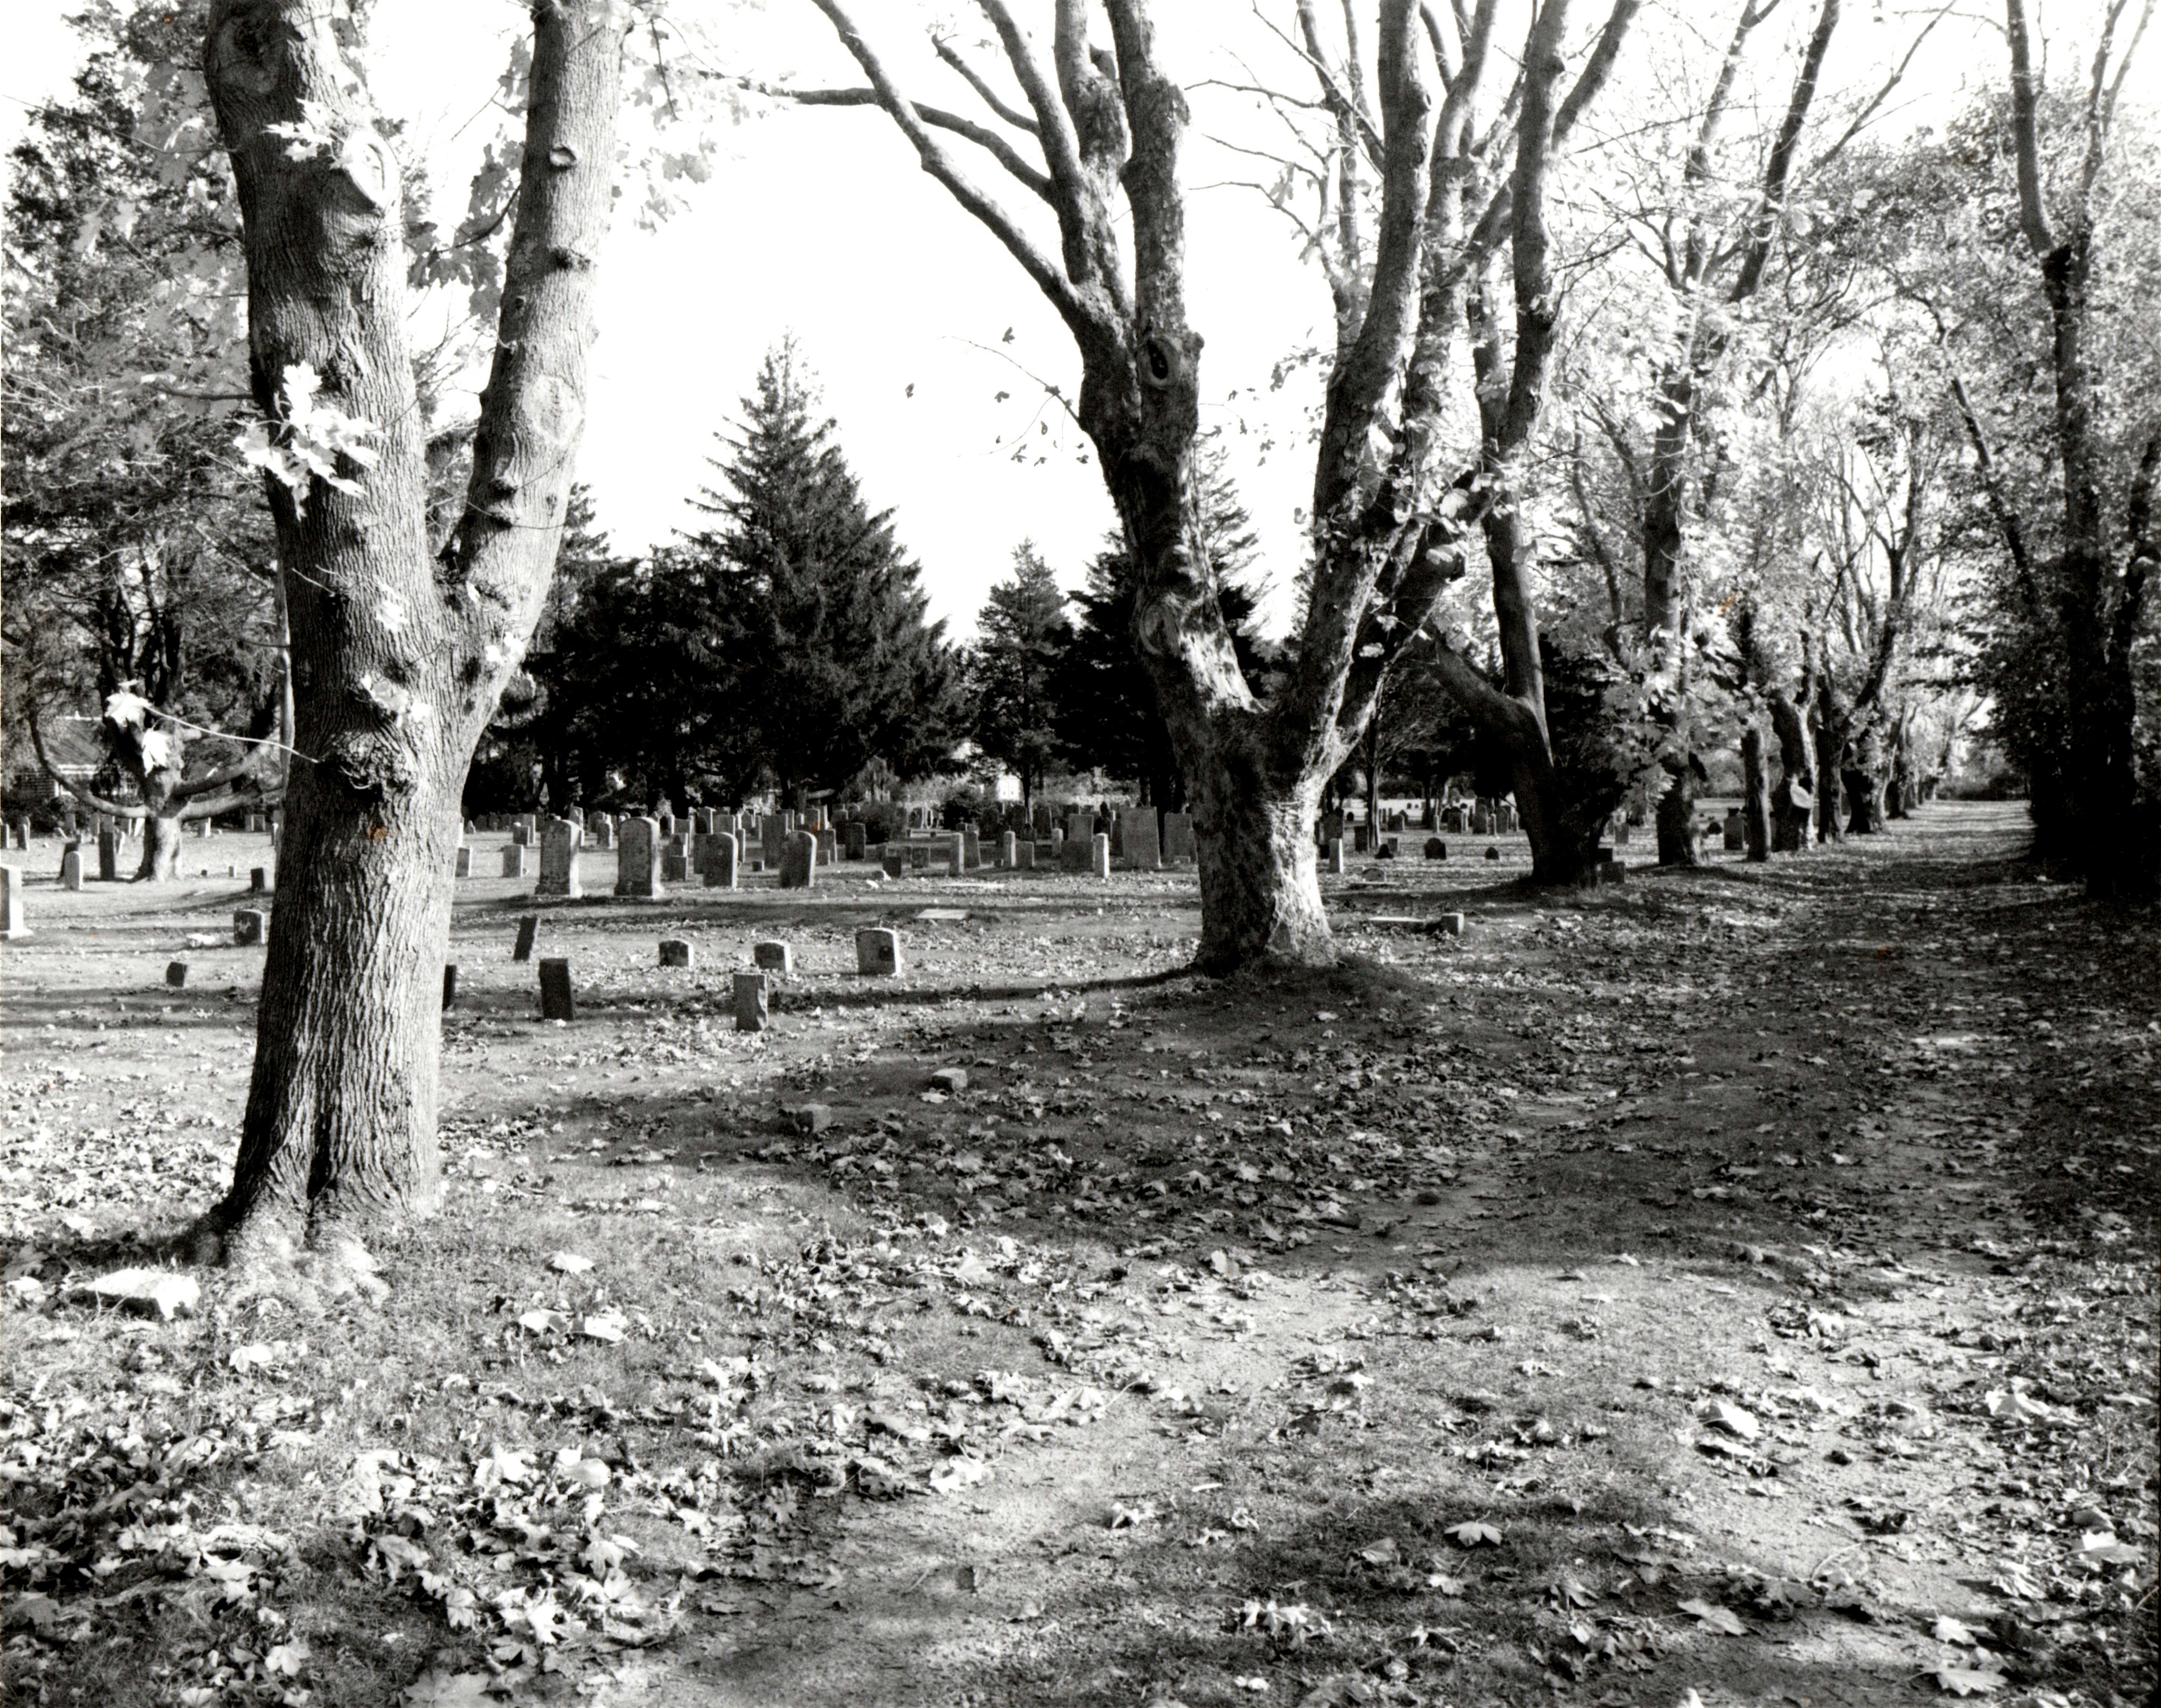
102	825
878	954
110	848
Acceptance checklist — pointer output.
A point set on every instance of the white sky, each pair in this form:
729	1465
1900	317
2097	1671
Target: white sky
818	221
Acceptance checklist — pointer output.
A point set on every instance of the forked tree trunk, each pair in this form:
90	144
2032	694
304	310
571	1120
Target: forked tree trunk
399	657
161	849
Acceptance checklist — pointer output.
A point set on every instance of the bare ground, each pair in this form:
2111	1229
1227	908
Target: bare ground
1738	1282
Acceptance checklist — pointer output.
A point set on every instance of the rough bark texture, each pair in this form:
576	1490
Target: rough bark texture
1793	800
397	658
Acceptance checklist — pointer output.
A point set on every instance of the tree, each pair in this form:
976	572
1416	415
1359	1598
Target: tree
140	571
1389	524
399	651
816	613
2106	562
1024	632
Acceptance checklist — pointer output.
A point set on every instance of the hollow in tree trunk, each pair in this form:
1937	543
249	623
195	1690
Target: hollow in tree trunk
399	654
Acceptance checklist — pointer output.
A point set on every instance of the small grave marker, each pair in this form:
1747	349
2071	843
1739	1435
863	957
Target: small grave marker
752	994
675	952
877	951
12	926
71	867
1099	855
528	928
176	973
555	1000
450	983
250	925
773	958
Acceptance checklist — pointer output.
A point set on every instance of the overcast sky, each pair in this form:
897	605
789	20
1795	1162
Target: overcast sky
818	221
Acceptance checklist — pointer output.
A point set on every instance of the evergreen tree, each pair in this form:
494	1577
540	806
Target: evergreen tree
816	616
1108	714
1024	635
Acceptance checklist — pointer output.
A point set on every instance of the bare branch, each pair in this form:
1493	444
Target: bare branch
2025	98
1011	115
982	136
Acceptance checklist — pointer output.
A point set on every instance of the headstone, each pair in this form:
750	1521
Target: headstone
205	829
520	836
1450	924
463	865
1008	852
450	983
71	867
1435	848
600	833
752	994
717	864
250	925
773	958
515	860
1386	850
1073	854
895	860
1040	821
1361	838
675	952
971	848
1028	853
855	838
1621	834
637	862
1335	864
528	928
956	852
775	836
19	835
798	864
12	925
877	951
108	855
555	1000
829	845
667	821
1737	832
1139	849
675	865
1099	855
1177	839
558	860
176	973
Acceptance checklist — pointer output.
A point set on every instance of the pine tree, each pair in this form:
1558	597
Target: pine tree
818	616
1108	716
1025	634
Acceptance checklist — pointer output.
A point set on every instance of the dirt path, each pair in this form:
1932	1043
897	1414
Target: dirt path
1738	1283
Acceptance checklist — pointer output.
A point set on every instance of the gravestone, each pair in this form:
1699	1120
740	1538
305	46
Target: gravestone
250	925
176	973
1040	821
464	868
1073	854
667	821
675	952
558	860
877	951
12	925
528	928
450	983
829	845
971	848
515	859
772	833
1450	925
1435	848
205	829
520	836
895	859
718	864
1099	855
752	996
1078	827
108	856
1386	850
855	838
956	852
555	1000
1177	839
1361	838
638	859
601	832
1737	832
675	864
1334	864
1139	848
1008	852
71	867
19	835
773	958
799	862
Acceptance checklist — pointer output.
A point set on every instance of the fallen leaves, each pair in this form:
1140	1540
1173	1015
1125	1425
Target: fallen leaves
162	1289
1711	1617
1475	1533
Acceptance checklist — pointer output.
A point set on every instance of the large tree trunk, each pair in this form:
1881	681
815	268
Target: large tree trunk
1793	802
1755	794
399	656
1831	769
1677	825
161	848
1260	881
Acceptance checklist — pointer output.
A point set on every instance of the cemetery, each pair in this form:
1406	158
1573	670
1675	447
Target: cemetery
1406	958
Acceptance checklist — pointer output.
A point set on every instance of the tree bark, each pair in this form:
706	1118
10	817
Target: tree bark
1260	877
398	655
1755	794
1793	800
1676	815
